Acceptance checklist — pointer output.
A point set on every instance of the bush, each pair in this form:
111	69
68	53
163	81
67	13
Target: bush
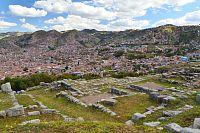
119	53
21	83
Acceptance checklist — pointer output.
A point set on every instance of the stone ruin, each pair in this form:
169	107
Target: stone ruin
118	92
16	110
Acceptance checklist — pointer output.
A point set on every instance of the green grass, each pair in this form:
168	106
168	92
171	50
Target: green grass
10	122
184	119
71	109
127	106
5	101
81	127
25	100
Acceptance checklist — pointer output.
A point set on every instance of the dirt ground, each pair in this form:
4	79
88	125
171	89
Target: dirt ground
95	98
153	85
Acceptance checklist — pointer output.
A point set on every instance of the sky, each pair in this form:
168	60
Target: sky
103	15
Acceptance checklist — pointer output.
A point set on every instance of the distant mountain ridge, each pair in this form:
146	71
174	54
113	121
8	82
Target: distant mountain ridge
167	34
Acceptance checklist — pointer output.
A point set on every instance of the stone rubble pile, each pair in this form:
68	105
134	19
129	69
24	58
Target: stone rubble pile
103	109
195	128
138	116
70	98
172	113
153	93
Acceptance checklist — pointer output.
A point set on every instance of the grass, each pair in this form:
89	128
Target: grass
70	109
10	122
25	100
81	127
127	106
5	101
184	119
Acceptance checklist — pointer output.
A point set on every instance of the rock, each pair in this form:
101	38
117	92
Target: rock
118	92
15	111
162	119
103	109
110	102
36	121
150	108
34	113
169	99
151	124
173	127
190	130
6	88
48	111
3	114
80	119
32	106
138	116
196	123
198	98
171	113
23	91
148	112
160	128
186	107
129	123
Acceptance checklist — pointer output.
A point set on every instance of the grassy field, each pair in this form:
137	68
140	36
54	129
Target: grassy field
25	100
71	109
127	106
96	121
5	101
82	127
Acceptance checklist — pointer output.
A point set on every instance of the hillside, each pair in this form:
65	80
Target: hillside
167	34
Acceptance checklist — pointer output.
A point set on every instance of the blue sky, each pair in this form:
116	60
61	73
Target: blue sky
115	15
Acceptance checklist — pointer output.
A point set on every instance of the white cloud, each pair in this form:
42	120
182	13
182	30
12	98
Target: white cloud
192	18
88	11
29	27
4	24
133	8
79	23
75	22
19	10
23	20
57	6
124	24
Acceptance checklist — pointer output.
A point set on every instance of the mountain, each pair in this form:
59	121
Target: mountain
163	35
